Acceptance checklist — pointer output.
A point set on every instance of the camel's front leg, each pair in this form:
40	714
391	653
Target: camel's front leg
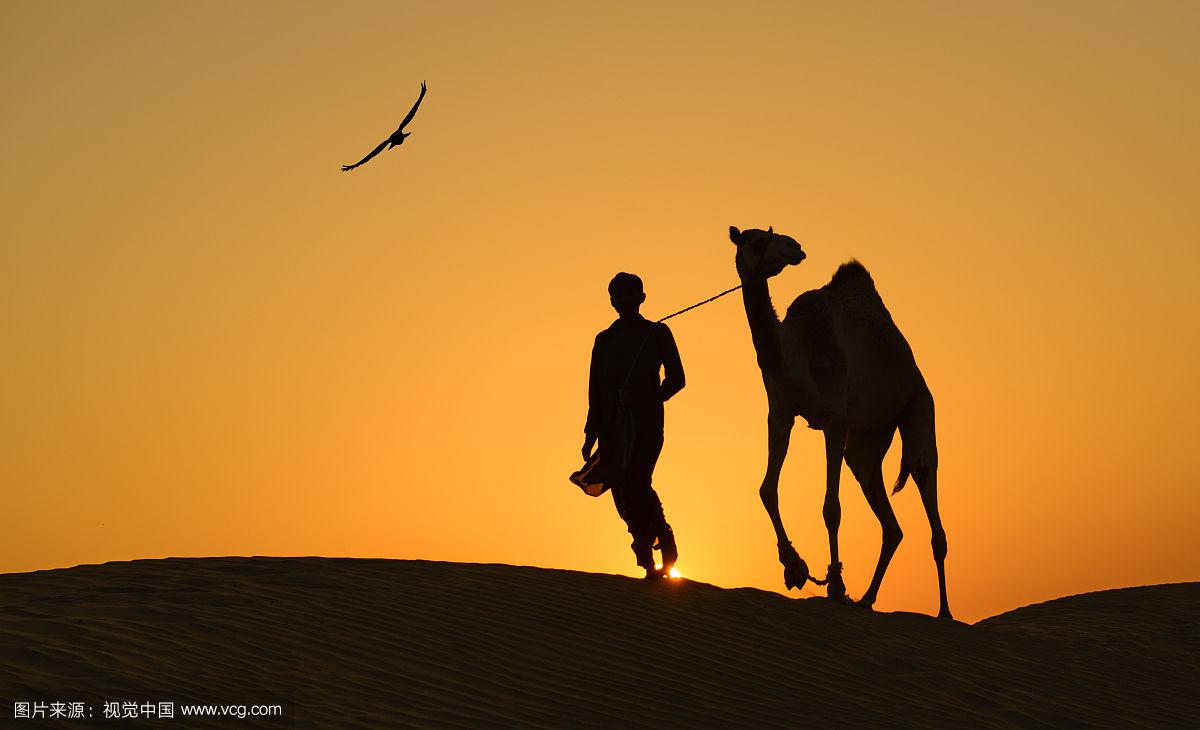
835	447
779	433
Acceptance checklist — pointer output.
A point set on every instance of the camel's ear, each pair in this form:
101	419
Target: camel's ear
735	235
770	229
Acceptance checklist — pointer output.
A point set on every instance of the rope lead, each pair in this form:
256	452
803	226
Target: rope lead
700	304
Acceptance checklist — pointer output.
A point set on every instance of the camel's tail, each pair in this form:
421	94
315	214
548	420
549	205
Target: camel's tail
919	456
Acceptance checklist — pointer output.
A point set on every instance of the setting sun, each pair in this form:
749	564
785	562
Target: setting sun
673	572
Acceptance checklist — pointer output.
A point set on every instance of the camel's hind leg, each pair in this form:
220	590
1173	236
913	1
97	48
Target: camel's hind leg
864	456
926	479
920	458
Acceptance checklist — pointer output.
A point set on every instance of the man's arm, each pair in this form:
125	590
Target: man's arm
673	380
591	427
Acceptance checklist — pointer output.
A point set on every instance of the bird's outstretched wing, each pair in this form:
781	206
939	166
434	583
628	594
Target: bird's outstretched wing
413	112
372	153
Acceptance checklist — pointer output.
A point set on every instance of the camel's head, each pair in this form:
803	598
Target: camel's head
763	254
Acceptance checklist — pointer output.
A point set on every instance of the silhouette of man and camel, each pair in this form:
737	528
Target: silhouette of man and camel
837	360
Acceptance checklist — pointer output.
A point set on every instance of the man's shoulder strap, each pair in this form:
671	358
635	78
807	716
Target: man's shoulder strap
636	355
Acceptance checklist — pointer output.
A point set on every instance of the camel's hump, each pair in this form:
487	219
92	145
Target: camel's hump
851	282
851	271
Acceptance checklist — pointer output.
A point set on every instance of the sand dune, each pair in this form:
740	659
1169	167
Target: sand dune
381	643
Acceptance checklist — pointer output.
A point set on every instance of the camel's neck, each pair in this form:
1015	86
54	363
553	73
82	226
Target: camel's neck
764	325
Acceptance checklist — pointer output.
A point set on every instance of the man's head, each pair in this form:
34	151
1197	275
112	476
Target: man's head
625	293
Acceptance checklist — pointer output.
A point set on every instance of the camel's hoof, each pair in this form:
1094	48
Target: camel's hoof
795	577
836	588
839	595
795	570
945	613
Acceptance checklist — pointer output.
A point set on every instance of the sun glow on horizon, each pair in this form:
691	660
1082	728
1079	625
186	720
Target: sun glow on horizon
673	572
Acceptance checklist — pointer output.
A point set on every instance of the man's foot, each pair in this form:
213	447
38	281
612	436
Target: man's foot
670	553
655	574
644	553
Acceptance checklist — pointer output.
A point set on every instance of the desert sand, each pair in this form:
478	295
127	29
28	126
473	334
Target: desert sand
384	643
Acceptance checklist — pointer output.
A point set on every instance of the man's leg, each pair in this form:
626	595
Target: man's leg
646	519
629	511
618	492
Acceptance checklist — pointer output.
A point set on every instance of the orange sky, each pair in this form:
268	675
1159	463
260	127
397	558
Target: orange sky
214	342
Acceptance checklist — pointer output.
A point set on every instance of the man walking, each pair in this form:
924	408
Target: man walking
625	414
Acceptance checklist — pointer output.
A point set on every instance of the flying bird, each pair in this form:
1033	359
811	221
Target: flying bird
397	137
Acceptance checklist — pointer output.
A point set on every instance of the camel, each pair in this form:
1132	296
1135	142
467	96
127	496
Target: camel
838	360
